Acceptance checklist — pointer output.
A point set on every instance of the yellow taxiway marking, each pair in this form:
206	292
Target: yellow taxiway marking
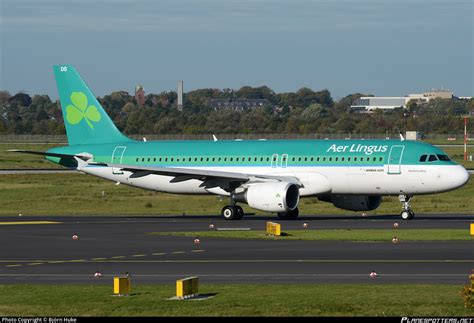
29	222
117	259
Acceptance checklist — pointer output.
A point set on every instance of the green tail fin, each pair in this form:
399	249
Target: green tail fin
85	120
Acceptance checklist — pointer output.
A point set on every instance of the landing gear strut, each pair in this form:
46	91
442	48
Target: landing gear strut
290	215
407	213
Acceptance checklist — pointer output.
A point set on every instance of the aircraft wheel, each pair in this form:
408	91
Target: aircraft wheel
240	212
229	212
407	214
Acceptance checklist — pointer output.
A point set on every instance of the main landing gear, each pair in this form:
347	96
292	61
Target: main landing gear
290	215
407	213
232	212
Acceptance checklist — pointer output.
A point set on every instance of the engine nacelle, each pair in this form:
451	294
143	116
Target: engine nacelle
354	202
270	197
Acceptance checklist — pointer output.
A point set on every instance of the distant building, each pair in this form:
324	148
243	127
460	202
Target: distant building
237	104
369	103
439	93
140	95
180	95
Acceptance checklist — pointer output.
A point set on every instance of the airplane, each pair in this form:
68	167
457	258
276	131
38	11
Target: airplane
268	175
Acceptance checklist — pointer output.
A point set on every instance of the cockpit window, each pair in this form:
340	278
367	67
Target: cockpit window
443	157
423	158
432	158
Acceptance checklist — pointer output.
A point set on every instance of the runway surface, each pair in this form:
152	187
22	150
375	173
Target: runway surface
41	250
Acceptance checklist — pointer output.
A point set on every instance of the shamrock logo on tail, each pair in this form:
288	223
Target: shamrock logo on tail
79	109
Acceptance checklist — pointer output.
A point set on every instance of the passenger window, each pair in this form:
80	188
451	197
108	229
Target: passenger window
255	159
330	158
380	159
207	159
423	158
231	159
299	159
432	158
293	159
143	159
268	159
337	158
317	159
137	159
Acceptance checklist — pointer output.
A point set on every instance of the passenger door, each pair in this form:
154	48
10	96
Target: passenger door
395	159
117	157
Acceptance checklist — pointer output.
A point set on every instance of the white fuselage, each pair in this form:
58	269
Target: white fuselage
353	180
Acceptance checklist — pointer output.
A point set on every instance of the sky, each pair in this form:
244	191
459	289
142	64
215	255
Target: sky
380	47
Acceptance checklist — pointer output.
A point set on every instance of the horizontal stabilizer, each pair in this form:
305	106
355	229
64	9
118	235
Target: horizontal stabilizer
44	153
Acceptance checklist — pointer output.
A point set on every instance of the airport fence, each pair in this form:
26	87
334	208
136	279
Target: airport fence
59	139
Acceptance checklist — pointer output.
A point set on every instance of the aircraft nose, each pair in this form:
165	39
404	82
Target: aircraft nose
459	176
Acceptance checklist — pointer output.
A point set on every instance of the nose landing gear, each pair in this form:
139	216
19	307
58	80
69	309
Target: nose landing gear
407	213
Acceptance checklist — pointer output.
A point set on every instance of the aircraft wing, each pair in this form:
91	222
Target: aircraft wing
182	174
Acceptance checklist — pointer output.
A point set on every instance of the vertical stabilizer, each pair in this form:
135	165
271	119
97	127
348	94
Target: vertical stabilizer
85	119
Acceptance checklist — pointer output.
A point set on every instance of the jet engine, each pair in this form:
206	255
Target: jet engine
354	202
270	197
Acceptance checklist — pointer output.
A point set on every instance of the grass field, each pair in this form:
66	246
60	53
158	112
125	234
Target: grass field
79	194
339	235
16	160
236	300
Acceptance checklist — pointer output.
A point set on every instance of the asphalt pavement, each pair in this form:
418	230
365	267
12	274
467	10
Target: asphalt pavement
42	250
